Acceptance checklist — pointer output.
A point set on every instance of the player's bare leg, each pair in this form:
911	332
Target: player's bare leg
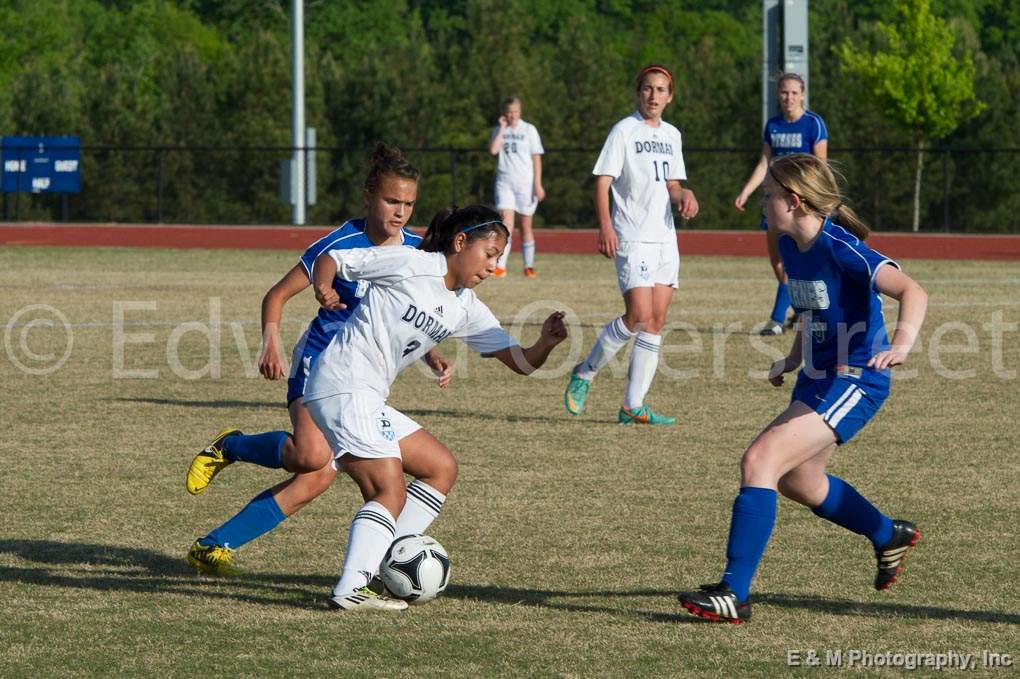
528	245
507	217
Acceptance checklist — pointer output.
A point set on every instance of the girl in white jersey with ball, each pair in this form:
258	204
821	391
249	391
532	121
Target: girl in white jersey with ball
641	165
416	299
518	179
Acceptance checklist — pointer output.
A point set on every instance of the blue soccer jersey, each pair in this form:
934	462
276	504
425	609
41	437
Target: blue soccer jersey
327	323
800	136
349	236
833	286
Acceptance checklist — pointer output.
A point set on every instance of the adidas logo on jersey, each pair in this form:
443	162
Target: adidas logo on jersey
439	311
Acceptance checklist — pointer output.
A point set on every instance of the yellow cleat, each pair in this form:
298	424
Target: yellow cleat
213	560
208	463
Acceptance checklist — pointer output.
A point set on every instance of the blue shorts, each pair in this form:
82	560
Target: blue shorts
300	365
846	398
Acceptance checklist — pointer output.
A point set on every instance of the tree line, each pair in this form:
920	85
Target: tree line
145	83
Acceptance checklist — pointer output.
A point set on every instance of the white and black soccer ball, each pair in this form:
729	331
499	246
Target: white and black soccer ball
416	569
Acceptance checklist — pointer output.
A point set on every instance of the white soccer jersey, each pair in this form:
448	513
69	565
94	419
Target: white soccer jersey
520	142
640	159
406	311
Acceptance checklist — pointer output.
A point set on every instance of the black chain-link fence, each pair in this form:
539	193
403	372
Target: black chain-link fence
962	190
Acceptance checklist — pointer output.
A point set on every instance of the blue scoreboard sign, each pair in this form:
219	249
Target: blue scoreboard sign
41	164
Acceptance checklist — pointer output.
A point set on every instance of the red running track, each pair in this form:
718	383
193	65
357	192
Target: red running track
731	243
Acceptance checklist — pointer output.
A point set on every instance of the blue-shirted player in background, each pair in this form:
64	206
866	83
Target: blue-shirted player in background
795	130
835	282
390	191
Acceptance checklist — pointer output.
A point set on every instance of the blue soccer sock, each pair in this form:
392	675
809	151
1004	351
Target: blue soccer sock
845	507
258	517
262	449
781	304
754	515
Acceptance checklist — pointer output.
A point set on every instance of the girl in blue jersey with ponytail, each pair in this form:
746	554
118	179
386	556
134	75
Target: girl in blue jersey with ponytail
844	356
390	192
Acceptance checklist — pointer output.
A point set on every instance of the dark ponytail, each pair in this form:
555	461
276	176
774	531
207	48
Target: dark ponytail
388	161
476	221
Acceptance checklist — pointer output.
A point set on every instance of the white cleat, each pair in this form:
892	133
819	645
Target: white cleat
365	599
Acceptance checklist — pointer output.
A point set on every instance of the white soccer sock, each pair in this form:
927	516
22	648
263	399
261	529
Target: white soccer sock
501	262
612	338
528	252
370	536
420	510
644	359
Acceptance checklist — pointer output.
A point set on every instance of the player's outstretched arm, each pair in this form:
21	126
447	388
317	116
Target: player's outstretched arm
756	178
913	300
527	361
271	363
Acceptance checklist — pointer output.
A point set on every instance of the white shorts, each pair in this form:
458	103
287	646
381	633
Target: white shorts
517	197
360	424
645	265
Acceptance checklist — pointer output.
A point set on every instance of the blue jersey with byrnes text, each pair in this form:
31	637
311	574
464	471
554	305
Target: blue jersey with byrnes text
800	136
349	235
832	286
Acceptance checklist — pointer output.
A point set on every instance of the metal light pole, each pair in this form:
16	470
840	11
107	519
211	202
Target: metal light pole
297	118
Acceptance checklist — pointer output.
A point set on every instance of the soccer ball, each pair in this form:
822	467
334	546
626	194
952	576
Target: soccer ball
416	569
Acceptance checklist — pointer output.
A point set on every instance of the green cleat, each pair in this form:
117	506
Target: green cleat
643	415
208	463
576	393
213	560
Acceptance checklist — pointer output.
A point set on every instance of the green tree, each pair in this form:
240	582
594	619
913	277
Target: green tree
916	78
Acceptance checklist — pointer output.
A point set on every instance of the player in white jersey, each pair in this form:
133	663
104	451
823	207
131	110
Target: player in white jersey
390	191
641	166
518	180
417	298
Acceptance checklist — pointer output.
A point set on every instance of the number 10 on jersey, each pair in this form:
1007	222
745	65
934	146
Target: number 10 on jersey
665	170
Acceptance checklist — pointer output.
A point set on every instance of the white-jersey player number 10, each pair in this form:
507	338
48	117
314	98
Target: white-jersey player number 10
665	170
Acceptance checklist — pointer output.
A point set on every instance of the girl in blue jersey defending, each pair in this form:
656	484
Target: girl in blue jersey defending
390	191
844	356
794	130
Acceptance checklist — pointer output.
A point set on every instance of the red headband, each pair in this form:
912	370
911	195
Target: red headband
655	69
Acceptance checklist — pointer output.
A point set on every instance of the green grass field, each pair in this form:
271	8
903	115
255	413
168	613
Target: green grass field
569	537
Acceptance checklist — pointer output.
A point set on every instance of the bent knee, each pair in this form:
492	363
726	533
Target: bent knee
756	461
308	459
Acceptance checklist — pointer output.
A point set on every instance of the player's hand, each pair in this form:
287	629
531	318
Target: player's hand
778	369
740	202
688	205
271	363
889	358
503	122
554	330
539	193
441	367
608	242
328	298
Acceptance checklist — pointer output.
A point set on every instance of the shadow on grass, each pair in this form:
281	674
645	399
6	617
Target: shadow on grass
276	405
882	609
132	569
415	412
